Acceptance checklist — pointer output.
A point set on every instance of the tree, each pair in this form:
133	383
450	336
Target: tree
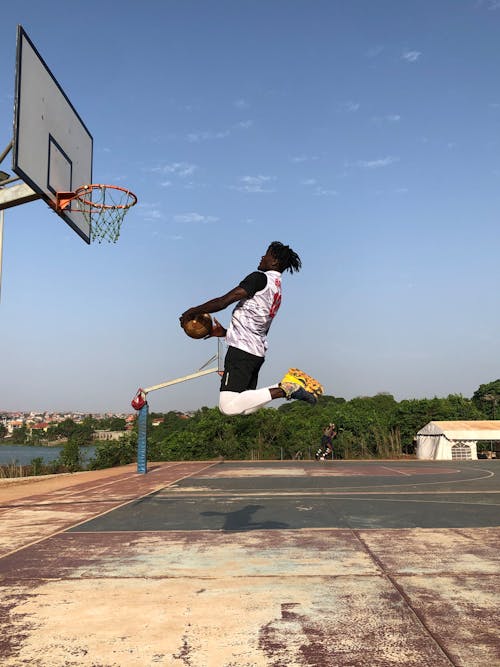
3	431
109	453
111	424
19	435
70	456
487	398
69	429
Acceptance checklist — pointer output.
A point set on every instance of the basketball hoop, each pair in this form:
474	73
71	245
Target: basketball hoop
102	206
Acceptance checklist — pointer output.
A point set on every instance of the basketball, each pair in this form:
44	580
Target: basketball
199	327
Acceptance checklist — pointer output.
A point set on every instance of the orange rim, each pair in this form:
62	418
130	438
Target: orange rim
82	193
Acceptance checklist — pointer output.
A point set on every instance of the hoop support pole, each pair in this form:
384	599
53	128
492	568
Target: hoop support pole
182	379
143	410
1	251
142	426
17	194
4	153
142	419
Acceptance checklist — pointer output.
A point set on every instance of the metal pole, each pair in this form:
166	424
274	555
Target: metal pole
142	419
4	154
1	247
142	444
191	376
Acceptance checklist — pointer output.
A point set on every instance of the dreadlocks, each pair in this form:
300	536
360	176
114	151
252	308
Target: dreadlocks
287	258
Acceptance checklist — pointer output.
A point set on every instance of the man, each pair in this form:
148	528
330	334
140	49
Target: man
326	446
258	298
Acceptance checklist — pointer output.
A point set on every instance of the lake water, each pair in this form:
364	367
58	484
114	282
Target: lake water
24	454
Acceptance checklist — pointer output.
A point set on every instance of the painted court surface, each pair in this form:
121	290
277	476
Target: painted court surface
276	564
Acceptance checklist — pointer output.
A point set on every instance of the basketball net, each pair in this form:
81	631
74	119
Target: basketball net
103	207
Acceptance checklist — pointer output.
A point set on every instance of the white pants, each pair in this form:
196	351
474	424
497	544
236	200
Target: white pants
244	403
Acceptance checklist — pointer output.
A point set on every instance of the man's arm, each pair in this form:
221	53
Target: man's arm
214	305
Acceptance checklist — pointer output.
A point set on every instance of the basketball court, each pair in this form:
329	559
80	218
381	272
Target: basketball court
238	564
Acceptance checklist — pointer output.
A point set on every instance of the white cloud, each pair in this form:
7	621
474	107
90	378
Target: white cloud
318	190
195	137
191	185
349	107
388	118
411	56
194	217
324	192
376	164
241	104
244	124
297	159
149	211
181	169
255	184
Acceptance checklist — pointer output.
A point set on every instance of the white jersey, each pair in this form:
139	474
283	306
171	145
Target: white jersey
252	317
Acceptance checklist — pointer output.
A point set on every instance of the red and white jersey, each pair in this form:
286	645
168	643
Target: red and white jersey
252	317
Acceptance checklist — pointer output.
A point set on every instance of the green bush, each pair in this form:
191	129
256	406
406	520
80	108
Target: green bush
110	453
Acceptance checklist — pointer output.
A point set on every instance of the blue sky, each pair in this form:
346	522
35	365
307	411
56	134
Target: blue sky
364	134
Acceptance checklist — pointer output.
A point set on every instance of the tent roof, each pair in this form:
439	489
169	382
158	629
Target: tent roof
464	430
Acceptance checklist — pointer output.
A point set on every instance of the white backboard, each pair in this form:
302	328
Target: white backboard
52	149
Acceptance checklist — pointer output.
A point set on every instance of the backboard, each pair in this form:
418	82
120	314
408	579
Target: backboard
52	148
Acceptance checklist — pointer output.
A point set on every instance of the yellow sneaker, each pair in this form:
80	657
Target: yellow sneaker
296	376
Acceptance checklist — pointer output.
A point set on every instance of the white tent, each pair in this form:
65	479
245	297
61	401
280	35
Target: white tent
456	440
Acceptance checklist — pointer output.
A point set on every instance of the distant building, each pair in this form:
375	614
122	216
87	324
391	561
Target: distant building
456	440
108	435
43	426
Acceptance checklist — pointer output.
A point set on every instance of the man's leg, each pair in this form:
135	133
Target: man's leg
238	393
245	402
251	400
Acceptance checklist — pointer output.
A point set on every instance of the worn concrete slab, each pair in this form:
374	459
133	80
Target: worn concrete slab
189	554
462	613
459	551
216	623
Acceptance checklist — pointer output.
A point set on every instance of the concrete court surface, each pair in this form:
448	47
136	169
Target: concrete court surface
276	564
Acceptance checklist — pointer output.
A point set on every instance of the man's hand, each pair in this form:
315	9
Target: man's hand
218	330
187	315
214	306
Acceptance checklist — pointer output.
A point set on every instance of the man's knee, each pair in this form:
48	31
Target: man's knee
227	403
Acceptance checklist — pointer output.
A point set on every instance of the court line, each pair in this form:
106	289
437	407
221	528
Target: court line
407	474
324	529
352	496
272	493
489	474
428	502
